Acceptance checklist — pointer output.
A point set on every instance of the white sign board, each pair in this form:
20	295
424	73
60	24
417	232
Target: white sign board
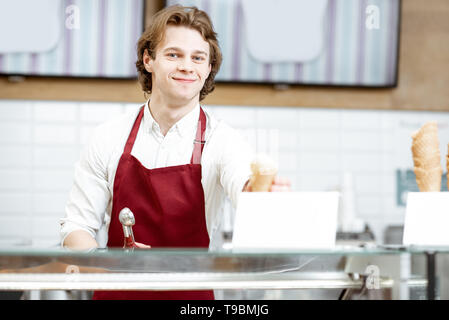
286	220
427	219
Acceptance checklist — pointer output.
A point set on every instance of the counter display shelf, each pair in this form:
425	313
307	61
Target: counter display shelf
348	269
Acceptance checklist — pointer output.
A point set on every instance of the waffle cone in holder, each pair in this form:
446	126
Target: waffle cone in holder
263	173
427	163
428	180
426	158
447	167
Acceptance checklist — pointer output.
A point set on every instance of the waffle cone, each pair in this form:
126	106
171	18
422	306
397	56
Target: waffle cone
428	180
426	144
426	157
262	182
263	171
447	169
427	162
428	127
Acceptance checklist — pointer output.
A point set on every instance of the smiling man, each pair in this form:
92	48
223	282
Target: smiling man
179	67
170	162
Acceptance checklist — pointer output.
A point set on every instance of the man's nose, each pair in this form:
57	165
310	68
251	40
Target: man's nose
185	65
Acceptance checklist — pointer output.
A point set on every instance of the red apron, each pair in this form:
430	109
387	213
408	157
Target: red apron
168	205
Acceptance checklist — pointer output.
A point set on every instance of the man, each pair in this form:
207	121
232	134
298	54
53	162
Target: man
171	163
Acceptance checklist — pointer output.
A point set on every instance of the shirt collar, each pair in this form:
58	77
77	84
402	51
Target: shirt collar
184	126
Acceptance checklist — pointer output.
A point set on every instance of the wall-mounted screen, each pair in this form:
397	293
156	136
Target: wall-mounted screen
76	38
310	42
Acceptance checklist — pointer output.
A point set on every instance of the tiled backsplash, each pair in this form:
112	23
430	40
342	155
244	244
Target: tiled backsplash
41	141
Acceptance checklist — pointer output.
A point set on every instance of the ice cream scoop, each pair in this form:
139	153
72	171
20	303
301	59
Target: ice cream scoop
127	220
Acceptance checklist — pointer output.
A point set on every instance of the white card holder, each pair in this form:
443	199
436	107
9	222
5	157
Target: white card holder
285	220
427	219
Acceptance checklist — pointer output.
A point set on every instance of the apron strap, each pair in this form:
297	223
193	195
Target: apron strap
133	134
200	139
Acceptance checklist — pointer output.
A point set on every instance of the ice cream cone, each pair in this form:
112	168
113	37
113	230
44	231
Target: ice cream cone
428	180
427	162
261	182
447	167
424	139
263	171
425	144
426	157
428	127
447	172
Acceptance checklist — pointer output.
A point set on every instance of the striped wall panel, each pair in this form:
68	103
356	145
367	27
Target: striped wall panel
353	55
103	46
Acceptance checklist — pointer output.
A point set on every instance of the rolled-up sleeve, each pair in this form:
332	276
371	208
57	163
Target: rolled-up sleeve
90	195
235	163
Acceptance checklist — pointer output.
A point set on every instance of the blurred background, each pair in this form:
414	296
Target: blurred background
332	89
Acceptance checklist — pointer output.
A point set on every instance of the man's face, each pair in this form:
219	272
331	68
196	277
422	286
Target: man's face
181	65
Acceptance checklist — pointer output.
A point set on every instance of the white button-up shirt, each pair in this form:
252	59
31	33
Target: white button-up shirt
225	167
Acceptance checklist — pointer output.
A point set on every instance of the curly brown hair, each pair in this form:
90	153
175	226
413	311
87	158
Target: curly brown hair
177	15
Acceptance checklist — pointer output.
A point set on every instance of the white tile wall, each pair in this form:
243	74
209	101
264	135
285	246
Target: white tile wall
40	141
360	119
319	118
55	112
319	140
319	162
15	133
51	134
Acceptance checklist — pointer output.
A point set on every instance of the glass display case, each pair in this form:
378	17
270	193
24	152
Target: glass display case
346	272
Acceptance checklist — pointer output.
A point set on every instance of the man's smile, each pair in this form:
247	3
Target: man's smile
184	80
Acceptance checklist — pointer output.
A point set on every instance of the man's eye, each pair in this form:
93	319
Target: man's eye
172	55
198	58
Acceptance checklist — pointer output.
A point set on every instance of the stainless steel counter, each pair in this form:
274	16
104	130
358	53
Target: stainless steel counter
341	268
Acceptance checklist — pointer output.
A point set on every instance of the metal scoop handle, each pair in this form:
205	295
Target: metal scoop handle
127	220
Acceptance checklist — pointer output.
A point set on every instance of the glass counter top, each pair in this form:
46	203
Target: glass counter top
198	260
118	252
30	268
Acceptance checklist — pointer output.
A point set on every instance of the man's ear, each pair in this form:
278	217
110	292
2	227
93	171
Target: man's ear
147	61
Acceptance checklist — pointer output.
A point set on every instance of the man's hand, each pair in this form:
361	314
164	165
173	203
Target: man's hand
142	246
281	184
